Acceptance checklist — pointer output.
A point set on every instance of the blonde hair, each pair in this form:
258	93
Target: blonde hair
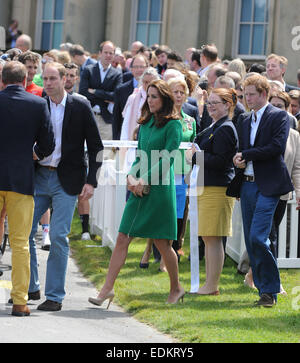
63	57
282	60
238	66
172	82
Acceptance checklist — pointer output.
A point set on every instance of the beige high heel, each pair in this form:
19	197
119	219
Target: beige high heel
95	301
180	297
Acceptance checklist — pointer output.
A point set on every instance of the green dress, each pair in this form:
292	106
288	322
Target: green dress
154	215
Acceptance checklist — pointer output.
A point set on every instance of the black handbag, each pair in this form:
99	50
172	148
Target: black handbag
234	188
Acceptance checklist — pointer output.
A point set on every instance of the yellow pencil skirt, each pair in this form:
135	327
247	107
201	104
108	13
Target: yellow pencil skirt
215	210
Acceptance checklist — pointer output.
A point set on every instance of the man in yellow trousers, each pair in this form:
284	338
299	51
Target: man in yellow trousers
26	135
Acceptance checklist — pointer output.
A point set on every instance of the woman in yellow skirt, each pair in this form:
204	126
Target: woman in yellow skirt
219	143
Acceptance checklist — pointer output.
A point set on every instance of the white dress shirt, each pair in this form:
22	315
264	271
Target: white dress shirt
103	72
57	117
254	127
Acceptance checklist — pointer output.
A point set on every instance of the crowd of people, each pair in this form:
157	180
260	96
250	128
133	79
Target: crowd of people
63	103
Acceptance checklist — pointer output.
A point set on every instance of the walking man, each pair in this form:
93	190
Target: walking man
60	178
263	135
25	131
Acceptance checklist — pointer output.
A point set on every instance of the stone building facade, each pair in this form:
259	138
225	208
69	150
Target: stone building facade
249	29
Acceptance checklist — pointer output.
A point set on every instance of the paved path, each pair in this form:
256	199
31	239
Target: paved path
77	322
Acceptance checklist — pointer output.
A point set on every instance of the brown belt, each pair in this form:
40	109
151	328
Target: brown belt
249	178
52	168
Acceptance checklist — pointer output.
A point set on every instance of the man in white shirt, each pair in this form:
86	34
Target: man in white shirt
60	178
99	83
276	67
209	55
263	135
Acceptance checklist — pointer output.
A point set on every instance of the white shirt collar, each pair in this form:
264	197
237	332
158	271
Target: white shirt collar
102	68
85	62
260	112
63	101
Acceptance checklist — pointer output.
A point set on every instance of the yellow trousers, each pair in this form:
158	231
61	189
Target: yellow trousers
19	209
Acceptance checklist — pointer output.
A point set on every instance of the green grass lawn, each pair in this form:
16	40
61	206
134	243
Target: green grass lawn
229	317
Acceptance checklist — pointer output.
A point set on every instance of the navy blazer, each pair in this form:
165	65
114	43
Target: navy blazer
289	88
121	96
79	125
104	91
88	62
24	121
219	145
267	154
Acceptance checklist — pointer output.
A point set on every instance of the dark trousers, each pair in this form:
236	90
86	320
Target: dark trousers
257	212
278	215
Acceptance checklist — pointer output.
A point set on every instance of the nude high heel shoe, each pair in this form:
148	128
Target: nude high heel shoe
95	301
179	297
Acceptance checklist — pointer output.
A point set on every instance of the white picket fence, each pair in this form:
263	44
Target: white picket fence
109	200
107	204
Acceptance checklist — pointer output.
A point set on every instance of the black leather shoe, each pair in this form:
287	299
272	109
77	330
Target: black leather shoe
34	295
266	300
50	305
31	296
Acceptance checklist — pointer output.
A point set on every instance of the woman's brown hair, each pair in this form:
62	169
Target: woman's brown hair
283	96
167	112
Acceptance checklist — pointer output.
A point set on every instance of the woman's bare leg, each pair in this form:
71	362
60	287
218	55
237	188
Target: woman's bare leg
168	254
214	260
117	260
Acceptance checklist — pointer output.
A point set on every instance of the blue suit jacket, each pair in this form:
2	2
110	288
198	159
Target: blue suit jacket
267	153
88	62
104	90
24	121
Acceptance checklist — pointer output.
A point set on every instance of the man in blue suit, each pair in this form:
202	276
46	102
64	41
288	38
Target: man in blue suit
26	134
79	57
263	134
99	83
138	65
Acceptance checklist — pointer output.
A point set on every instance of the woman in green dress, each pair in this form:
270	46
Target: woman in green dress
180	91
150	211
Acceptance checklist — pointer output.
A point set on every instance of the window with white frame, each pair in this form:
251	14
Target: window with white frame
52	24
149	15
253	28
